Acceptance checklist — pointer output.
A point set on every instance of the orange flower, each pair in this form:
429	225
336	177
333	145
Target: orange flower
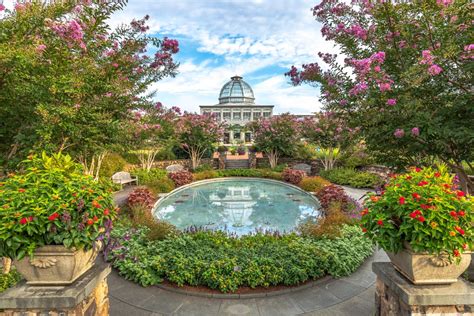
434	224
374	198
452	234
21	190
95	204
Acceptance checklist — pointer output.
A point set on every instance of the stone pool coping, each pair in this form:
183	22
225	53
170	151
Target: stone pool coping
162	196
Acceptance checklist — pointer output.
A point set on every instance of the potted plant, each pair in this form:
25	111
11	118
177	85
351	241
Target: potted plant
241	150
222	149
53	218
424	223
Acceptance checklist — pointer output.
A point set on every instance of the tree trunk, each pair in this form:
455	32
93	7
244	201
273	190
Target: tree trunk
273	158
7	264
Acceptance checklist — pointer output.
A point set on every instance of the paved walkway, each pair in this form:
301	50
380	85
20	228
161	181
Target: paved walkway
353	295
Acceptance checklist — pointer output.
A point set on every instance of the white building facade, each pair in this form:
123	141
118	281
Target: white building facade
237	107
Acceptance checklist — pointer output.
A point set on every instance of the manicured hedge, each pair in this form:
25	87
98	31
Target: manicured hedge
219	261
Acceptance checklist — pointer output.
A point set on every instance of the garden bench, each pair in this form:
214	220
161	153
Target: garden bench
123	177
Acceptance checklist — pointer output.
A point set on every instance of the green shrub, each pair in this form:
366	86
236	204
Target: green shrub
203	175
156	180
280	167
203	167
351	177
8	280
141	216
111	164
226	263
161	185
313	184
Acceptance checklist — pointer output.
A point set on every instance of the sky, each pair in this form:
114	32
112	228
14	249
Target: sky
256	39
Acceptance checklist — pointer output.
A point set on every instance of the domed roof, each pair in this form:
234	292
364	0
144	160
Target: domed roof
236	91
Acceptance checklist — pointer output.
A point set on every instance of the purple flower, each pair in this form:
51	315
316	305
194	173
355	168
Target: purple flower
415	131
434	70
40	48
391	101
399	133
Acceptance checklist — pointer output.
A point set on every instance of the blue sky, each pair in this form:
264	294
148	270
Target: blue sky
256	39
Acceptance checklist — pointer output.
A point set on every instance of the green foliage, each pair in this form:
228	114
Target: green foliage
52	203
425	209
155	179
221	262
280	167
68	90
313	184
111	164
141	216
7	280
351	177
203	167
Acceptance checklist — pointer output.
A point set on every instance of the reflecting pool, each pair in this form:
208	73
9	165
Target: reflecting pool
238	205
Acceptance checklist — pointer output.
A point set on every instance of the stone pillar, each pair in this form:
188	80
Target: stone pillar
252	160
87	296
222	158
242	136
395	295
231	136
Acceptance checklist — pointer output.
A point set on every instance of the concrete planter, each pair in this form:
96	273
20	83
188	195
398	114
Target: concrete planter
56	265
424	268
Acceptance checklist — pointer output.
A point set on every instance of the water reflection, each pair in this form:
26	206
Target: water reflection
240	206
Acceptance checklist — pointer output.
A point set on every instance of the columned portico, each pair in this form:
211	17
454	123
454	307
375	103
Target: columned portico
237	108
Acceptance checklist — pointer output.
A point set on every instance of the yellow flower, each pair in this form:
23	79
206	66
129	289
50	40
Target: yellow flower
434	224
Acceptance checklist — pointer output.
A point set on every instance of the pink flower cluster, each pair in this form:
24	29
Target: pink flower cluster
139	25
428	59
72	32
399	133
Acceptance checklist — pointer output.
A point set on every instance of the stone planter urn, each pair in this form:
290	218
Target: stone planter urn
423	268
56	264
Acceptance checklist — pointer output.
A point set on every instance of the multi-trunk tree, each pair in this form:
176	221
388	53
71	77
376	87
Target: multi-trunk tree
406	78
68	82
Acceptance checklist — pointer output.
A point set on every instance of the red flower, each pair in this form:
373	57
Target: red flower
106	212
460	230
95	204
461	213
422	183
460	193
413	214
90	222
95	218
23	221
30	219
53	216
416	196
380	222
437	174
456	253
364	229
464	246
421	218
21	190
409	177
417	169
425	206
453	214
401	200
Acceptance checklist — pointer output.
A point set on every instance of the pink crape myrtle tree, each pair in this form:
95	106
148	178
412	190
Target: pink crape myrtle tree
330	134
276	136
154	129
197	134
70	82
405	77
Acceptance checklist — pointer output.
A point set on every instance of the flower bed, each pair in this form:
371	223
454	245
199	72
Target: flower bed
219	261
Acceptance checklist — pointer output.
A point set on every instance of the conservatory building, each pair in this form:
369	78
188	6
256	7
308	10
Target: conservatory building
237	107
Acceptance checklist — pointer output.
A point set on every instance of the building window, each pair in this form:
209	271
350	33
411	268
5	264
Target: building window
226	115
217	115
266	114
236	115
247	116
256	115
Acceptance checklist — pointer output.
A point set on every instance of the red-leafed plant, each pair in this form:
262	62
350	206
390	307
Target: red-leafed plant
333	194
181	178
141	196
293	176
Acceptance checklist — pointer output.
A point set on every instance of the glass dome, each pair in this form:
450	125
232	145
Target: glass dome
236	91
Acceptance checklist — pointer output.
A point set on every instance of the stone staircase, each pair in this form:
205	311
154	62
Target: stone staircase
237	164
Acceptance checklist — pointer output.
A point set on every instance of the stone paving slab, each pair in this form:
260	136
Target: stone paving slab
352	295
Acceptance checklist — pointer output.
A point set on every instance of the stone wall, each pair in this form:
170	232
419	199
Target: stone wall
316	166
381	171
